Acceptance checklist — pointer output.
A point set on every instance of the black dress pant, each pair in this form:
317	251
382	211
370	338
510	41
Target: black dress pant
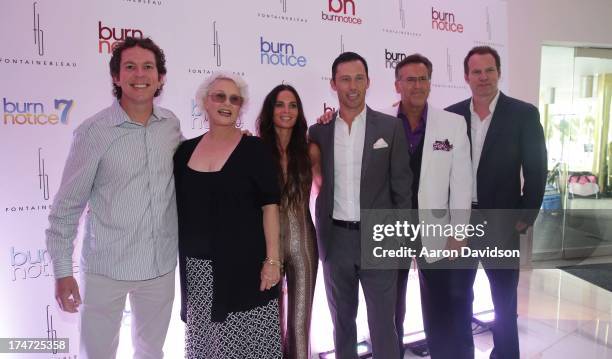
447	325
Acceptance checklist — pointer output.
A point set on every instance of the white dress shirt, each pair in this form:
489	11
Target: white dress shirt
348	155
479	129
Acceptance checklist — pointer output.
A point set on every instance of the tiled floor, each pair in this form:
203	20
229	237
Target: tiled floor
560	316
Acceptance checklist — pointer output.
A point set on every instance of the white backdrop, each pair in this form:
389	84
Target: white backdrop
54	74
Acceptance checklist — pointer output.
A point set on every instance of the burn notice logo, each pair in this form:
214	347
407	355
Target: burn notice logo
444	21
29	264
328	108
279	54
110	37
393	58
199	120
343	11
28	113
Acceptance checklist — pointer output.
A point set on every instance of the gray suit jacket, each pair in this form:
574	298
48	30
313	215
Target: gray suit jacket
385	172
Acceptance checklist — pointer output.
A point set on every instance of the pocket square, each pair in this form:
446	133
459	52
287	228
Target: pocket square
380	143
442	145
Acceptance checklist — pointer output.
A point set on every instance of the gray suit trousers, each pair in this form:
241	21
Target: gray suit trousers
342	275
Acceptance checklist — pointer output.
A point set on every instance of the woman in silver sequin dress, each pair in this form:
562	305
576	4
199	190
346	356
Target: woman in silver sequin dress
282	126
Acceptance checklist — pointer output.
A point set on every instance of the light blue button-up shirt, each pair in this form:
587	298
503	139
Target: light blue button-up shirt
123	172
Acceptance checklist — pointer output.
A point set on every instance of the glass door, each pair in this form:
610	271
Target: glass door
575	92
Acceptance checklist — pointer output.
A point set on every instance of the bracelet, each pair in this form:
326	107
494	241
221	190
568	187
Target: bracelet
273	262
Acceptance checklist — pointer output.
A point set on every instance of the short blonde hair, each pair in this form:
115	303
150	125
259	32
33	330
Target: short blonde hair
205	86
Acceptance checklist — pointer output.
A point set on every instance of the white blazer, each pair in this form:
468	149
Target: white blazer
446	174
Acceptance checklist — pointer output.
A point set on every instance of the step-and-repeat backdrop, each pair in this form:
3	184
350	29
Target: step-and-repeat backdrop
54	74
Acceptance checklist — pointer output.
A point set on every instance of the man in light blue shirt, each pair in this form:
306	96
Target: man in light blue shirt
120	167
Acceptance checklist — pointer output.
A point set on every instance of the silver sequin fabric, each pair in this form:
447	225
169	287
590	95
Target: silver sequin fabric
298	246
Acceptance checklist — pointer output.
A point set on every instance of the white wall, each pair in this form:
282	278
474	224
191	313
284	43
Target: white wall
532	23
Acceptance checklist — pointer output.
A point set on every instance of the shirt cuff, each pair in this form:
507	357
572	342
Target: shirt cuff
62	268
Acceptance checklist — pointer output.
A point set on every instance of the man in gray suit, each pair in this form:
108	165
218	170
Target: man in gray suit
363	161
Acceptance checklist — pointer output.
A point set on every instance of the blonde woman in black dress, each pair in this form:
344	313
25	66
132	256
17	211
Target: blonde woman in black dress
227	196
282	127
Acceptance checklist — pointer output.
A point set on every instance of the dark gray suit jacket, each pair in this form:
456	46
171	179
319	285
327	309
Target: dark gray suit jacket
386	177
515	140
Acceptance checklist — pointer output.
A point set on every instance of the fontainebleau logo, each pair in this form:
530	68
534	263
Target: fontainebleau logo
444	21
43	177
52	333
34	113
325	76
280	13
400	27
39	34
216	53
109	37
18	208
392	58
489	28
43	187
449	82
145	2
279	54
216	45
449	66
489	32
402	14
343	11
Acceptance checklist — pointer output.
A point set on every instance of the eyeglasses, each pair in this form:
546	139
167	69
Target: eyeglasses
413	80
221	97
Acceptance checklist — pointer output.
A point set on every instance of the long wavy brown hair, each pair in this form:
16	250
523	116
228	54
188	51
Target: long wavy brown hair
295	188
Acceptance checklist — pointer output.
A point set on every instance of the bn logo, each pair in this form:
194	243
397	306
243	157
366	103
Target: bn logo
341	6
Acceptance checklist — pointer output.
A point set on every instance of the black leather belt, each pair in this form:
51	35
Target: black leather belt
352	225
475	205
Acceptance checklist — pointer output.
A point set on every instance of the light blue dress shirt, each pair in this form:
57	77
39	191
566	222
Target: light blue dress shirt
123	172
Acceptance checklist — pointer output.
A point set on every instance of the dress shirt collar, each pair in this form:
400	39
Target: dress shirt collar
358	118
492	105
401	115
119	116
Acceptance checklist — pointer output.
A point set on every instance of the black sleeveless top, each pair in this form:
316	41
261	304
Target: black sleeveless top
220	218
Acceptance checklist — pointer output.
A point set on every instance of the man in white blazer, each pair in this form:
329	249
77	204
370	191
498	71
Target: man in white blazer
442	176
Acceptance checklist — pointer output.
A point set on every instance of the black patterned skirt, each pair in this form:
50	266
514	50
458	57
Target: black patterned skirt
252	334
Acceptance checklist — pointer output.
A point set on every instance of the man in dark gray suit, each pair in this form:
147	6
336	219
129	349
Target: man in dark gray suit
509	165
363	161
